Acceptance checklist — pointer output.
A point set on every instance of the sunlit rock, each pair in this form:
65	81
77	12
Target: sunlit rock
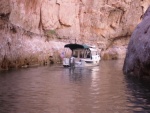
69	20
114	53
49	15
26	14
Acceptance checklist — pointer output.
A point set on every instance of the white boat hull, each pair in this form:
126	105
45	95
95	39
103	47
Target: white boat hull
80	62
66	62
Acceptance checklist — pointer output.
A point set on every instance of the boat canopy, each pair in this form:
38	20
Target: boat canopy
77	46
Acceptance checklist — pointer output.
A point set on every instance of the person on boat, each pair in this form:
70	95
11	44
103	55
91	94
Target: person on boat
62	55
72	62
89	54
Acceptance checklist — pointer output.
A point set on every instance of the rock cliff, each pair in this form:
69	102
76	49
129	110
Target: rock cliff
33	30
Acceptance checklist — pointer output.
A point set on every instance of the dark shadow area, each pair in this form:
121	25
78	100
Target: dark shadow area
140	91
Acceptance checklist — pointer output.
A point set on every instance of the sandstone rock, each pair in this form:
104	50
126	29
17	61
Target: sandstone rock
49	15
22	49
67	17
4	7
26	14
145	4
69	20
114	53
67	1
137	61
25	26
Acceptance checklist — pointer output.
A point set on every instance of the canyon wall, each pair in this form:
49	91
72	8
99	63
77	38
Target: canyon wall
33	30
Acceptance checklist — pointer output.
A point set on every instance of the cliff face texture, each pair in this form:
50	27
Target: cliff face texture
33	30
137	61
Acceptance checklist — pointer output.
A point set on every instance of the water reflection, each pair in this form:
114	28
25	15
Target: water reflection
138	94
102	89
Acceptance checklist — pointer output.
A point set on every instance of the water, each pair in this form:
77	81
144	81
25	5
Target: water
54	89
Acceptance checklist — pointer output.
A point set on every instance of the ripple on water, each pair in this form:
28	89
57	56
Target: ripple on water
55	89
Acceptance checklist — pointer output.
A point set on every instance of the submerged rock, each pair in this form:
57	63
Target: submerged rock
137	60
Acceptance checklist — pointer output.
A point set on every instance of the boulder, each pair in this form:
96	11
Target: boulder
137	60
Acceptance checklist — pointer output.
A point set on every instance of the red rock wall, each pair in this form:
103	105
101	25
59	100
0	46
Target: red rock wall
30	27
